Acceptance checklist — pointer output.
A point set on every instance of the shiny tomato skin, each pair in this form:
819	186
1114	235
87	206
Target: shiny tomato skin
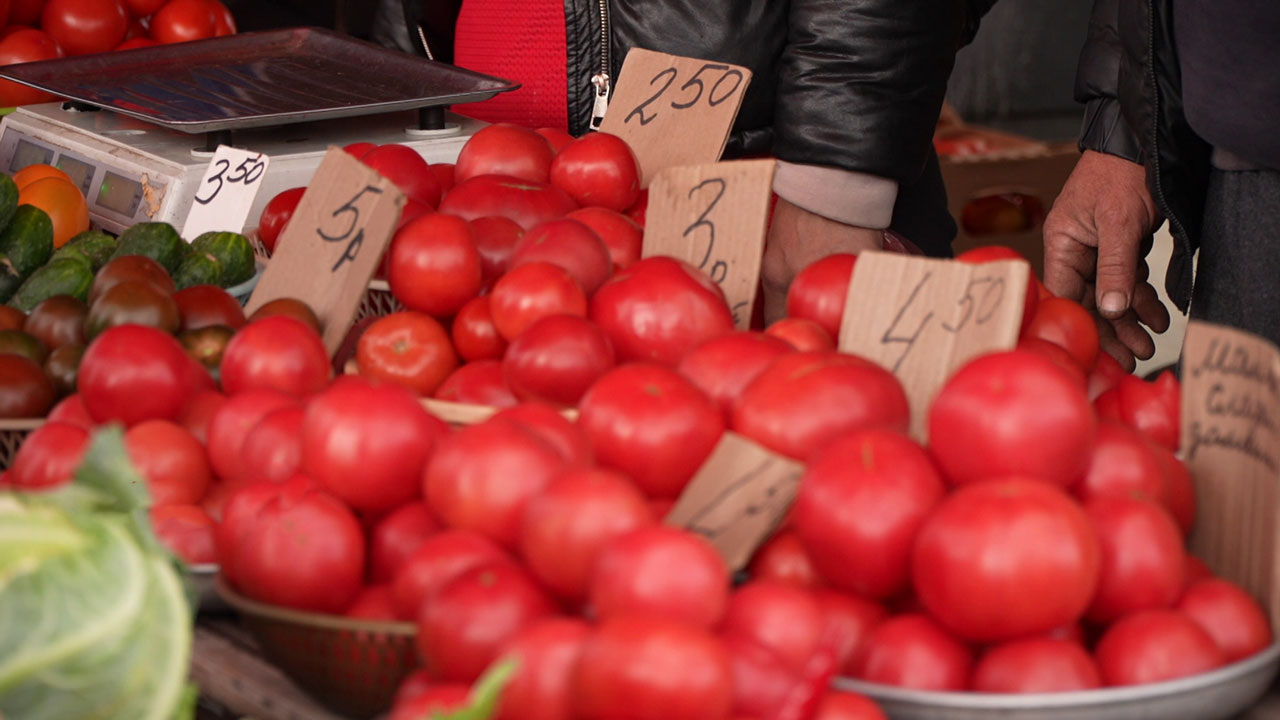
239	514
524	202
1143	561
660	571
861	503
505	149
25	390
26	45
1058	355
496	239
187	530
598	170
57	321
132	373
199	412
184	20
1152	408
291	307
783	619
445	175
1036	665
841	705
801	334
48	456
434	265
272	449
569	244
550	424
81	27
230	423
547	652
783	559
394	538
819	290
407	348
1106	373
275	216
1179	489
1122	463
132	302
723	366
912	651
435	562
650	423
638	211
1154	645
276	353
556	359
1011	414
474	335
1230	616
761	683
171	460
531	292
623	237
130	267
373	603
1068	324
480	383
71	410
847	623
557	137
358	149
204	305
403	166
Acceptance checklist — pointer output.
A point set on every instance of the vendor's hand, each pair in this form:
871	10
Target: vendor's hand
1092	242
798	237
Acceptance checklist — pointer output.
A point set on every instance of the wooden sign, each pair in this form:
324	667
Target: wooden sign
225	194
1231	445
715	218
737	497
331	247
674	110
923	318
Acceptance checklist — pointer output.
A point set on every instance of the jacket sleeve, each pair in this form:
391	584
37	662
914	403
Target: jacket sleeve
861	82
1097	86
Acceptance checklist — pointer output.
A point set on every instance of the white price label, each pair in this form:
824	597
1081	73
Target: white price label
226	192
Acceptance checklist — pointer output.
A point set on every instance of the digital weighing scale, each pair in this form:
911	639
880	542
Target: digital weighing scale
140	125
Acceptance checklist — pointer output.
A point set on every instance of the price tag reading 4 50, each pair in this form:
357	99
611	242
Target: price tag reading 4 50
226	192
714	217
923	318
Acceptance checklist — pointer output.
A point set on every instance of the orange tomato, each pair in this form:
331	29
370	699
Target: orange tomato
39	171
64	203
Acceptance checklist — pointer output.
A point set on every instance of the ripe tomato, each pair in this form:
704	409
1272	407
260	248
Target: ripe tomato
470	620
26	45
565	526
598	170
548	423
534	291
1068	324
61	200
1011	414
524	202
435	562
819	291
239	514
546	653
272	449
1179	489
407	348
130	267
802	401
432	702
358	149
652	669
198	413
132	302
1196	570
1058	355
496	239
784	619
171	460
761	683
474	335
204	305
184	20
373	603
434	265
275	216
403	166
621	235
557	137
660	308
1006	558
482	477
85	26
71	410
25	12
505	149
783	559
395	538
1105	375
913	651
1155	645
1152	408
569	244
445	175
994	253
276	353
1229	615
801	334
1143	561
847	623
556	359
25	390
230	423
48	456
224	23
1036	665
651	424
841	705
660	571
187	530
143	8
132	373
723	366
291	307
1122	463
137	41
480	382
11	318
368	444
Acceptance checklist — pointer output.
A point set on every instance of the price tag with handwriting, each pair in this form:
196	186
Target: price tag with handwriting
674	110
226	192
923	318
737	497
1231	445
714	217
333	243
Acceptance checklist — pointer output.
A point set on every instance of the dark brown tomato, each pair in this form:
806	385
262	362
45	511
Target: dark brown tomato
61	366
206	344
17	342
133	302
292	307
130	267
203	305
58	321
25	392
11	318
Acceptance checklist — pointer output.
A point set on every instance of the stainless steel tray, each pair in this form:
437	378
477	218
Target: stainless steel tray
274	77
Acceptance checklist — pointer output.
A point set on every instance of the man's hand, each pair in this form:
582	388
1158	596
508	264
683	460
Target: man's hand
1092	241
798	237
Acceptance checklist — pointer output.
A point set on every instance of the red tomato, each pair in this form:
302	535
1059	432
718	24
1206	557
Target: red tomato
445	175
276	214
995	253
566	525
1011	414
199	412
847	623
474	335
505	149
620	234
171	460
395	538
71	410
524	202
368	444
1234	620
480	382
913	651
143	8
1152	408
224	23
569	244
357	150
1196	570
48	456
1058	355
723	366
1036	665
1122	463
25	12
534	291
403	166
761	683
373	603
1006	558
434	265
546	653
85	26
818	291
239	514
1105	375
496	238
861	502
802	401
552	426
841	705
638	211
187	530
1143	561
1179	489
407	348
557	137
25	390
276	353
783	559
435	562
304	550
205	305
133	43
598	170
230	424
556	359
26	45
468	622
184	20
415	683
132	373
272	449
431	702
784	619
662	572
801	334
1068	324
652	669
1155	645
660	308
651	424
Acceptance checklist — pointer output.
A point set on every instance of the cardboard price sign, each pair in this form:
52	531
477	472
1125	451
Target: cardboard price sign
332	244
230	184
714	217
1231	445
922	318
737	497
674	110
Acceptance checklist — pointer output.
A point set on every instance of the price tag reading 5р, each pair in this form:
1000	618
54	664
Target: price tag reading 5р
674	110
923	318
714	217
226	192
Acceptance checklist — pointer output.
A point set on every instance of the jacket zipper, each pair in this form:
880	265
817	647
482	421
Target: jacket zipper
601	79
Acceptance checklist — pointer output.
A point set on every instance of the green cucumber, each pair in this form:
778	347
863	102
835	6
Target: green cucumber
64	276
232	250
156	240
10	281
198	268
28	239
94	246
8	199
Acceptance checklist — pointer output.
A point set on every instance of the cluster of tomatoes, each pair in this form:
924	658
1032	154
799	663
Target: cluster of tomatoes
51	29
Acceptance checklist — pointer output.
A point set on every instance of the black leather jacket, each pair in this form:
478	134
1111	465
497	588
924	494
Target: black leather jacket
1130	82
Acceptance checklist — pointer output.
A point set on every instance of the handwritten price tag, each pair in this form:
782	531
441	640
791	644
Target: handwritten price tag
674	110
1231	445
714	217
333	243
922	318
737	497
226	193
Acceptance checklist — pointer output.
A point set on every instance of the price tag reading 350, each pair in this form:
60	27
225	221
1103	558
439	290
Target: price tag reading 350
227	191
923	318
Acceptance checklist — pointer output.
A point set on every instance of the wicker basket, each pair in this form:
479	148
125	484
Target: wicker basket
12	433
353	667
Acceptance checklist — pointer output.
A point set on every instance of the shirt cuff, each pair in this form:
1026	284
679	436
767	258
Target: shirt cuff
853	198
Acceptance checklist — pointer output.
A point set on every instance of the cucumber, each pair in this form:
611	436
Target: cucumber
198	268
232	250
28	239
8	199
10	281
94	246
64	276
156	240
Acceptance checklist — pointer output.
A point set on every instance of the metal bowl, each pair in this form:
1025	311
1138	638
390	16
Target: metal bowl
1216	695
204	580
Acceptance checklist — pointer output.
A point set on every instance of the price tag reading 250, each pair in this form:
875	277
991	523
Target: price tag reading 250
226	192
